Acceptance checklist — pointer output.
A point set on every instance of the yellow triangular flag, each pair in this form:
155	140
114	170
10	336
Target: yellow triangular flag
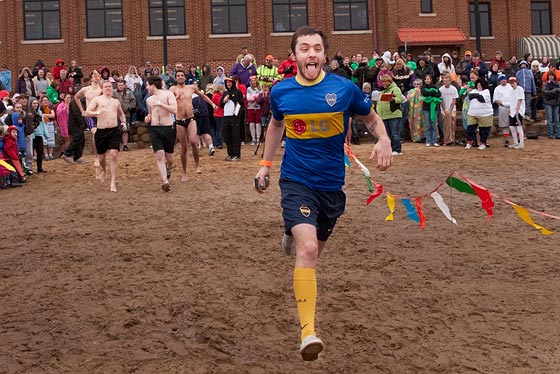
391	204
526	217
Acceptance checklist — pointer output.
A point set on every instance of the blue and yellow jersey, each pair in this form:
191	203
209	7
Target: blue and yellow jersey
316	117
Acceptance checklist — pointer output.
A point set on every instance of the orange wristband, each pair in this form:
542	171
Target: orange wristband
265	163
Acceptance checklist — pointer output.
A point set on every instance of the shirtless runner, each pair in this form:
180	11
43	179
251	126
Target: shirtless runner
161	105
108	136
89	92
185	123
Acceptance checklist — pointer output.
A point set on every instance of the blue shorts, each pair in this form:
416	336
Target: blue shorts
301	204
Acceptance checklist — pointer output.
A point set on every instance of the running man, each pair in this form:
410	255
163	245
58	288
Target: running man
107	137
90	92
315	108
161	106
185	123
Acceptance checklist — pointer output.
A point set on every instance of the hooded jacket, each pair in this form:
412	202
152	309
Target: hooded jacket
10	144
525	79
446	69
220	78
234	94
58	67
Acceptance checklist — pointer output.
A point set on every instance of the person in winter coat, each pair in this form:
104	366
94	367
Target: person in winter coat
10	139
526	80
431	105
551	103
24	83
389	109
231	102
423	69
288	67
57	68
446	64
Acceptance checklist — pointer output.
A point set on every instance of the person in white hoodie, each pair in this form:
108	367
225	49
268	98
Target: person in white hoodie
220	76
387	58
446	65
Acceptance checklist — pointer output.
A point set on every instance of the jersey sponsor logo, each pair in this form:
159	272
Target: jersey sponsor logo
299	126
305	210
314	125
331	99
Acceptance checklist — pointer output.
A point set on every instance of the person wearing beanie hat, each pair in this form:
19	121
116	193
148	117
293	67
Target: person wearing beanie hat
526	80
501	92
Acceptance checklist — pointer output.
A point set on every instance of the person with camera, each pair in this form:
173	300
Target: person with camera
288	67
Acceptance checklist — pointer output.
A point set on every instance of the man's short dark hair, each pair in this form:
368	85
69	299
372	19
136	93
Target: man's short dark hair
155	80
180	71
307	30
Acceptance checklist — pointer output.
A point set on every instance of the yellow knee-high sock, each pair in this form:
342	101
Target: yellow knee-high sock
305	291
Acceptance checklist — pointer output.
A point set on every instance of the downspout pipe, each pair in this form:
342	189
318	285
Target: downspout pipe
374	24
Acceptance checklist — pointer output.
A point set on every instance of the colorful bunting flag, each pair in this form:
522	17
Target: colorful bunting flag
420	213
526	217
486	199
459	185
442	206
378	191
410	210
391	204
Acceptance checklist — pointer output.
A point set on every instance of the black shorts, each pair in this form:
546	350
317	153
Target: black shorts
202	125
301	204
183	122
516	120
106	139
163	137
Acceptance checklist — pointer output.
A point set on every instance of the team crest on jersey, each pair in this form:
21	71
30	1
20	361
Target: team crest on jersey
299	126
305	210
331	98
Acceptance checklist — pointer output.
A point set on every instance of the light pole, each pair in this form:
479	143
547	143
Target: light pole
164	14
476	26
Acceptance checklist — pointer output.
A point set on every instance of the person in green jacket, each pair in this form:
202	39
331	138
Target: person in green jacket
52	92
389	109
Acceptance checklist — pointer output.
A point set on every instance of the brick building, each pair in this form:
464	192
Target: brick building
118	33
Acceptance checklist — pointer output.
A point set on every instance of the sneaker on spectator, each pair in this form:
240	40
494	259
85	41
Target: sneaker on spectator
288	245
435	145
310	348
68	159
519	146
125	148
397	153
79	161
235	158
468	146
482	147
211	151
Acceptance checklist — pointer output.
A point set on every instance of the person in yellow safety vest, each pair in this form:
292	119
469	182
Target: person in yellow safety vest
268	73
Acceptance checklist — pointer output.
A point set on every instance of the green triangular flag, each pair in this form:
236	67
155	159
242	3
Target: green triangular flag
460	186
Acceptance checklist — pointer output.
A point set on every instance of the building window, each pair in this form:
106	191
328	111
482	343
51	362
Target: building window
541	18
485	19
426	6
104	18
229	17
42	19
350	15
175	17
289	15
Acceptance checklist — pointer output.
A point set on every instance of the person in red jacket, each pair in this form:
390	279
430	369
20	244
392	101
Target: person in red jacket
58	67
11	150
288	67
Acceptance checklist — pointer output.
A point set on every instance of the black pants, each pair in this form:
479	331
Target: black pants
241	120
76	147
231	136
38	147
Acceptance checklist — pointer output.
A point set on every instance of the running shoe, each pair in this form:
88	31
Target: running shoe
68	159
211	151
310	348
166	187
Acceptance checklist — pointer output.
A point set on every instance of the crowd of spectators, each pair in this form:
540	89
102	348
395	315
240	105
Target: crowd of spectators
417	97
